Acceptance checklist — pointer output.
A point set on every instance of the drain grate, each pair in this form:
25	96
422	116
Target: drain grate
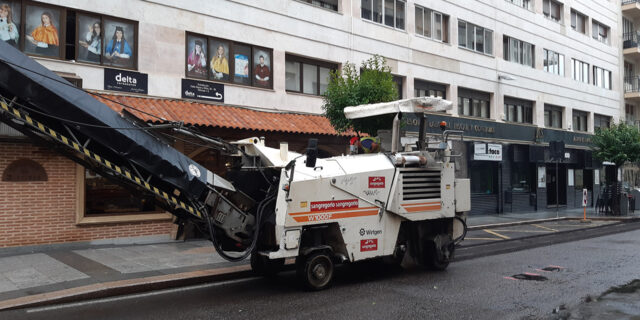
551	269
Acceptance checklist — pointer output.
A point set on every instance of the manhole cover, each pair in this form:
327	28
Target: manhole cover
528	276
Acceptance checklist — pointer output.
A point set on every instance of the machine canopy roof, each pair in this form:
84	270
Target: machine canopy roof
413	105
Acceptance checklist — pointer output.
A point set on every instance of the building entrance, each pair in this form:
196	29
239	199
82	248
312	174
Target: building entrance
551	184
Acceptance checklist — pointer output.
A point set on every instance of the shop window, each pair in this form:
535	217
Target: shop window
63	33
306	75
517	110
484	177
429	89
228	61
101	201
432	24
473	103
552	116
392	11
521	177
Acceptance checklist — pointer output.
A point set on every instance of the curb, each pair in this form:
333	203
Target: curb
515	223
121	287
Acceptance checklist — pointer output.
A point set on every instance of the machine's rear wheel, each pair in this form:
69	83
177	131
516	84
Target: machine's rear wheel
264	266
439	252
315	271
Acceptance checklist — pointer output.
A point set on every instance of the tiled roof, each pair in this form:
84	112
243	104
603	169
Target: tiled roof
201	114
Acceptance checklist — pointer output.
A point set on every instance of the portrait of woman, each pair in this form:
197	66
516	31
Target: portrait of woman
9	31
118	50
44	38
90	47
197	58
220	61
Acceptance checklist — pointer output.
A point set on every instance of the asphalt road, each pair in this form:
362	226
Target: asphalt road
480	288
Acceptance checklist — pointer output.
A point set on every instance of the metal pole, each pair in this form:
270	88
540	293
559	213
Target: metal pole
557	197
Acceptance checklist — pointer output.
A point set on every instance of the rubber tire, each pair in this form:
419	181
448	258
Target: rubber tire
305	271
432	258
263	266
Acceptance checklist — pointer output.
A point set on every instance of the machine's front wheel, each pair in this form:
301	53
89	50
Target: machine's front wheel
264	266
315	271
439	252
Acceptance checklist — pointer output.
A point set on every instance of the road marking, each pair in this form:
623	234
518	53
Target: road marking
467	238
543	227
137	295
496	234
523	231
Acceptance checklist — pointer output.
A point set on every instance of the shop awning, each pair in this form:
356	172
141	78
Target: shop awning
221	116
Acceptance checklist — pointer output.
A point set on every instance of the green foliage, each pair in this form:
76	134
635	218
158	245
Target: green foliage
374	84
618	144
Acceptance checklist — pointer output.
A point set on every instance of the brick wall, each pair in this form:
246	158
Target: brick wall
44	212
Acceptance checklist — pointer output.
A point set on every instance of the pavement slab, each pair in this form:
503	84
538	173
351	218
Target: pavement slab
33	270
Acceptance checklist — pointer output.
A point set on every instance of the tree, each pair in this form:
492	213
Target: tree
618	144
373	84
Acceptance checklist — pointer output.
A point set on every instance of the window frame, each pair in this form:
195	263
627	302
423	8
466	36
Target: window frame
520	51
308	61
230	60
426	86
548	14
580	115
558	57
311	3
444	24
595	24
472	96
599	119
582	66
487	34
574	24
83	219
383	15
550	110
526	4
525	106
601	73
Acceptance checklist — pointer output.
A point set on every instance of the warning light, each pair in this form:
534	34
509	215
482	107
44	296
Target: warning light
443	125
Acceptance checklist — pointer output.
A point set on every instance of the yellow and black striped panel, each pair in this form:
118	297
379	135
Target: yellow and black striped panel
104	162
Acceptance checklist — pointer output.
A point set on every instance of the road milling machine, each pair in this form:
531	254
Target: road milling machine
272	204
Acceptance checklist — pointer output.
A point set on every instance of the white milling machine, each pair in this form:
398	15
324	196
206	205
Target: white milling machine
357	207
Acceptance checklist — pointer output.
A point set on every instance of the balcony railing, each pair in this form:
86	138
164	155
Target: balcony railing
631	84
629	1
630	39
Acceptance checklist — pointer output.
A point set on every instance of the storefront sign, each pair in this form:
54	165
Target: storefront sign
201	90
125	81
489	151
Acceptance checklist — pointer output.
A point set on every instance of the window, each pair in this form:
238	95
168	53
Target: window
578	22
628	34
327	4
579	121
601	78
228	61
579	71
521	3
432	24
475	38
600	32
518	51
552	116
517	110
552	10
628	113
58	32
473	103
429	89
521	177
578	179
306	75
484	177
553	62
399	80
600	121
391	11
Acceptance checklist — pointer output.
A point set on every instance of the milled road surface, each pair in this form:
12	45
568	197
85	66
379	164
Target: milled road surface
471	289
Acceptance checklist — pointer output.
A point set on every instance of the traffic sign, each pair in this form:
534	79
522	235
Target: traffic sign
584	197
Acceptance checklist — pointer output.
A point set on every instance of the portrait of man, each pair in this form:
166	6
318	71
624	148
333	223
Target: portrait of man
119	43
197	57
42	35
262	69
219	64
10	22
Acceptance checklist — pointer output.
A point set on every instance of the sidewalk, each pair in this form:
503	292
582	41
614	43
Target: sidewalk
37	275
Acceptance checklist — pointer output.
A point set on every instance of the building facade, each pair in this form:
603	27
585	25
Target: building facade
520	73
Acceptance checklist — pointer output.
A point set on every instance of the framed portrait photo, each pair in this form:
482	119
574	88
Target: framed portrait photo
119	44
241	64
197	59
42	31
262	70
10	16
219	63
89	38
